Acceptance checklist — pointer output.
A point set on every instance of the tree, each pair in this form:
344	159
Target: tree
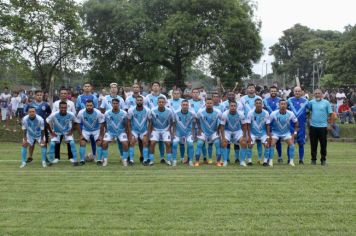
130	36
46	32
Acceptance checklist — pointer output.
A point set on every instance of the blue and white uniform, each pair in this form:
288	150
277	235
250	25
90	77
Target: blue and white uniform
175	104
161	122
90	123
209	123
82	99
138	121
196	105
271	104
131	101
107	100
184	123
116	126
258	122
219	107
61	125
42	109
299	108
247	104
151	101
281	124
34	128
232	125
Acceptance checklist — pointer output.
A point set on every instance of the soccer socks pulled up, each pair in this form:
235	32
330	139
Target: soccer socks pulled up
243	152
169	156
105	153
224	153
99	152
152	157
73	149
182	150
291	152
266	154
23	154
174	149
145	153
44	153
249	154
217	149
125	155
301	152
161	149
131	153
82	153
236	151
259	149
190	151
51	150
200	144
271	152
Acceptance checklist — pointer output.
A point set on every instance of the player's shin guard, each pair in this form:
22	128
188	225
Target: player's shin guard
190	151
237	151
301	152
266	154
105	153
224	153
23	154
210	151
249	154
152	157
203	150
243	152
145	153
51	150
44	153
182	150
131	153
82	153
73	150
291	152
161	149
169	157
217	149
174	149
259	149
100	153
125	155
200	144
271	152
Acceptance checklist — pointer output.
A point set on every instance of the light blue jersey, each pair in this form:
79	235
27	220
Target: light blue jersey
116	122
151	100
320	111
61	124
175	104
225	105
258	122
131	102
161	120
299	108
219	107
247	103
138	119
106	103
196	105
90	121
281	123
232	122
184	122
271	104
82	99
33	126
209	122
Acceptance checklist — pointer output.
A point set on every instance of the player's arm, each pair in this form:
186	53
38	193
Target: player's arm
102	130
49	127
128	128
296	128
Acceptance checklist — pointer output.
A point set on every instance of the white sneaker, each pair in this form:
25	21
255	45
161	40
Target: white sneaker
169	163
23	165
243	163
270	162
44	164
174	163
124	162
225	163
191	163
55	161
71	160
151	163
291	163
105	163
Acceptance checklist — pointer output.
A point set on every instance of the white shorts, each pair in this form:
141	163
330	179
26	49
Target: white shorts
32	140
284	137
87	134
209	139
263	138
183	139
4	113
164	136
138	135
67	138
233	137
121	137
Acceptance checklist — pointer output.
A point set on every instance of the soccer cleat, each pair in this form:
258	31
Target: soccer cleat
301	162
225	164
218	163
186	162
29	160
237	161
82	163
169	163
174	163
131	163
105	163
75	163
196	164
210	162
323	163
243	163
265	164
190	163
163	161
23	165
71	160
313	162
44	164
124	162
99	163
151	163
291	163
145	163
270	162
249	163
280	161
55	161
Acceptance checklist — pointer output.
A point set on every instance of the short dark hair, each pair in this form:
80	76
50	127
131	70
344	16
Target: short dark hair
89	101
156	82
139	96
38	91
258	99
232	102
282	100
62	103
185	100
161	98
87	83
273	87
115	100
30	107
251	85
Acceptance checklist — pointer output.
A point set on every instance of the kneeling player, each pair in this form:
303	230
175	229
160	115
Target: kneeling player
33	130
183	128
116	127
258	129
59	124
281	125
93	126
233	130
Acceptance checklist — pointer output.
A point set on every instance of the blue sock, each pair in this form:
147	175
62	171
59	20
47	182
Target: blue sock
203	150
266	154
174	150
44	153
161	149
51	150
169	157
210	151
99	151
259	149
73	150
105	153
125	155
200	145
82	153
132	153
249	153
237	151
288	152
291	152
93	145
24	154
145	153
190	151
182	150
243	152
301	152
224	153
152	157
217	149
279	149
271	153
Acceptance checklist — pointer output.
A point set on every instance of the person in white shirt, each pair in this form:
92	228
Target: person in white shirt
340	96
5	98
14	103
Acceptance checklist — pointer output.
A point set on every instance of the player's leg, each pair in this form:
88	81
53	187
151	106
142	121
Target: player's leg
182	151
152	152
140	146
275	139
133	141
93	144
175	143
24	147
122	138
190	150
200	144
224	151
236	153
105	153
167	143
243	151
144	140
259	151
290	143
82	143
161	151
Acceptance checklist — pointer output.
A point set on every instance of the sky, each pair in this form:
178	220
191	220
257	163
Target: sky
279	15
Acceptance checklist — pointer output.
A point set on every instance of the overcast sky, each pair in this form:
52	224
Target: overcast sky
279	15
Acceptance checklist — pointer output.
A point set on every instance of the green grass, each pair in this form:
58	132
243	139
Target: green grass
161	200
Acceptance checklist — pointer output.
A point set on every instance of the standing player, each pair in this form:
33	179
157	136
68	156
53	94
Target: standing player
137	129
298	105
208	124
93	128
183	129
131	100
258	129
175	102
233	130
271	104
281	125
116	128
60	124
160	124
33	130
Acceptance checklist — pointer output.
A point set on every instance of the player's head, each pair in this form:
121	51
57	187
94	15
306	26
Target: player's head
251	89
62	107
216	98
195	93
283	104
31	111
114	88
233	107
258	104
6	90
89	105
63	94
139	101
318	94
209	103
273	91
185	105
298	92
161	102
136	88
231	96
177	93
87	87
115	104
38	95
156	87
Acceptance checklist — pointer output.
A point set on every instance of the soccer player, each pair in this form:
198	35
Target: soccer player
183	130
176	101
33	130
131	100
233	130
93	126
116	128
208	120
59	124
137	128
160	124
281	126
298	105
258	128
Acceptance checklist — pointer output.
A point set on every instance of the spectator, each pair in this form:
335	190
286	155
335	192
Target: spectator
187	91
353	110
340	97
335	129
14	103
5	99
345	112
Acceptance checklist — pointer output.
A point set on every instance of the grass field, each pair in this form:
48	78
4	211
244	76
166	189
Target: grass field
161	200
